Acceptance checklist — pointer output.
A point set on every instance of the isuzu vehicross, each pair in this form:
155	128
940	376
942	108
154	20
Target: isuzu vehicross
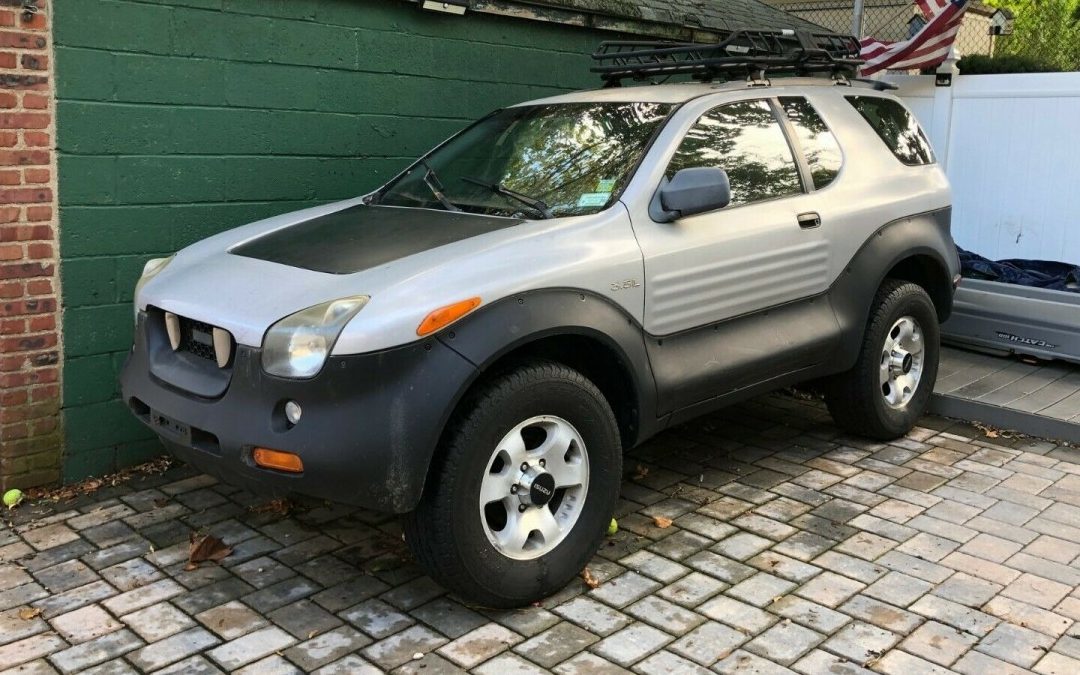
474	344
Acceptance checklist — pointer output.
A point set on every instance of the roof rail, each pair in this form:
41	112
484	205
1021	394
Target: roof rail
739	52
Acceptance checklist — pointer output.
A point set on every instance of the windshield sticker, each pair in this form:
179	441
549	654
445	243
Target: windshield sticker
593	199
606	185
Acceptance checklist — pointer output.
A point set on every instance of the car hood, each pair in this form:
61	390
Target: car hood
361	237
246	279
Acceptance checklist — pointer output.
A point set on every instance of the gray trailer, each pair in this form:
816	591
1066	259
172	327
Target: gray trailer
1011	319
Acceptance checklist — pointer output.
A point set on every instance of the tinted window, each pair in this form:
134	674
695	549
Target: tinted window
818	144
896	126
573	157
745	140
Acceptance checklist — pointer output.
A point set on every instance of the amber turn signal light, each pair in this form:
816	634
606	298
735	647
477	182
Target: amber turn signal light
278	460
444	316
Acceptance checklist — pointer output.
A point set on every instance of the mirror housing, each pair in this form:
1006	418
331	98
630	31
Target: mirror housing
694	190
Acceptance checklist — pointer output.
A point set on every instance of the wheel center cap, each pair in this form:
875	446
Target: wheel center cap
540	487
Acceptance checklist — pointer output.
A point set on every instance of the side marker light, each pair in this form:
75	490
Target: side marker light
278	460
444	316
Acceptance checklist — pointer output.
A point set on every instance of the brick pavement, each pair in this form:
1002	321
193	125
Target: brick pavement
793	548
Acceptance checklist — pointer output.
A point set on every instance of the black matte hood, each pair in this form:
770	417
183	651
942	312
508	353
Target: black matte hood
362	237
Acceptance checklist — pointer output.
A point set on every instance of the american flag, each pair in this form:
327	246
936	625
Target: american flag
925	49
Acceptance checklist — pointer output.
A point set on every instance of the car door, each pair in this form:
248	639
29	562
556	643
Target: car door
729	294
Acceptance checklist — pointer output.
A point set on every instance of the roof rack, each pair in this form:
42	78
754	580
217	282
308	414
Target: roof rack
739	52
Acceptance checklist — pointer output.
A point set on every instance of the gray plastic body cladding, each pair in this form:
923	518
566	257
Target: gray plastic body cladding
713	366
924	234
1017	319
509	324
708	362
370	422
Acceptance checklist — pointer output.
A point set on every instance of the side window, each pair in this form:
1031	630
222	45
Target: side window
745	140
897	127
818	144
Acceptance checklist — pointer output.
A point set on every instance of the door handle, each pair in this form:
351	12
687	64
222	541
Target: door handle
809	220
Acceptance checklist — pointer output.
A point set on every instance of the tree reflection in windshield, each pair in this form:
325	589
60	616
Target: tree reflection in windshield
573	157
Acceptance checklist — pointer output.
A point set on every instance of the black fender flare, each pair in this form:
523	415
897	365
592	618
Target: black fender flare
926	235
512	323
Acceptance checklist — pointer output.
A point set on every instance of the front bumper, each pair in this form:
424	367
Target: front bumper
369	427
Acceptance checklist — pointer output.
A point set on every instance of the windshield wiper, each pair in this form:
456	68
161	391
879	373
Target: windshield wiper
498	189
431	179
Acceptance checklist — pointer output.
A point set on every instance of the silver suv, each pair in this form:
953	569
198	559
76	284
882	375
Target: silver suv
474	344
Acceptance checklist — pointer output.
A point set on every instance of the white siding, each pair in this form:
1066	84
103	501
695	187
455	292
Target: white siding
1011	147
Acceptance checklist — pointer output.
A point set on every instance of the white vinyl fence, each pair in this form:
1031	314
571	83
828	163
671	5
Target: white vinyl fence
1011	147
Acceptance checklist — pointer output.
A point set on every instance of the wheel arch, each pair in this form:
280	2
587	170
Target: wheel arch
916	248
595	357
581	329
929	272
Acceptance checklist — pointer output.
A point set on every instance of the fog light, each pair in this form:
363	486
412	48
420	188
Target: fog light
277	459
293	412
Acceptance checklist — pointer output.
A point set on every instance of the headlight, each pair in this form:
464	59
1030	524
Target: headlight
150	270
297	346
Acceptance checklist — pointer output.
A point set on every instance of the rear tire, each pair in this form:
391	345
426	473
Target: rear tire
887	391
540	542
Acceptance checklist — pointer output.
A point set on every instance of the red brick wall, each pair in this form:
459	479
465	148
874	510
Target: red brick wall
30	442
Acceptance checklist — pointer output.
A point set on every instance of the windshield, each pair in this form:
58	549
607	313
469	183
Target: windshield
536	161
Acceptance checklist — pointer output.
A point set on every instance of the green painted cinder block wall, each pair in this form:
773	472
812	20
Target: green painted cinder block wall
181	118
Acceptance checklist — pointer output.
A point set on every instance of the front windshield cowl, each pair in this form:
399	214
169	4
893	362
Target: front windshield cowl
537	161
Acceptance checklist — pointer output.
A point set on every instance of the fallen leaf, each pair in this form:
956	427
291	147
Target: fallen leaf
989	431
161	501
383	565
281	507
91	485
642	471
29	613
590	580
662	522
205	547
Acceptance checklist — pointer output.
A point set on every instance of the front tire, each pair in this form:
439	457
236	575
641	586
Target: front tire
522	489
887	391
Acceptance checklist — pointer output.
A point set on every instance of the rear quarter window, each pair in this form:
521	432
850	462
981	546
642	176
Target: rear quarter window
896	126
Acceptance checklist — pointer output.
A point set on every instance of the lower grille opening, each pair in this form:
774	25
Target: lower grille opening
205	441
140	409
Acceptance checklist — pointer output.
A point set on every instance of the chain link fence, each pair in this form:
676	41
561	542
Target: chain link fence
1032	34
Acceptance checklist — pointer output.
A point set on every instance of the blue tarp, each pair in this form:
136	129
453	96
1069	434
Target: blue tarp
1056	276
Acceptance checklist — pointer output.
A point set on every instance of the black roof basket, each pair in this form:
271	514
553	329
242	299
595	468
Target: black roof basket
749	53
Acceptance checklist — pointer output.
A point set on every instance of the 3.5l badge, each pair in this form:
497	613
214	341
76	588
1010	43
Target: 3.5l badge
624	285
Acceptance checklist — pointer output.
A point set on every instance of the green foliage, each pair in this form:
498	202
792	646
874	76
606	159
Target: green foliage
1045	32
982	64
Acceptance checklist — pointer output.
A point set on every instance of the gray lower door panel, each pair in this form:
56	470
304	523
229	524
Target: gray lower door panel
718	359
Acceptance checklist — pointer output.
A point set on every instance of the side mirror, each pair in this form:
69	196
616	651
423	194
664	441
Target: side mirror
690	191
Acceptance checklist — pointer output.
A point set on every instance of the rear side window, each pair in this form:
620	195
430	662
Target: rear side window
744	139
818	144
897	127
